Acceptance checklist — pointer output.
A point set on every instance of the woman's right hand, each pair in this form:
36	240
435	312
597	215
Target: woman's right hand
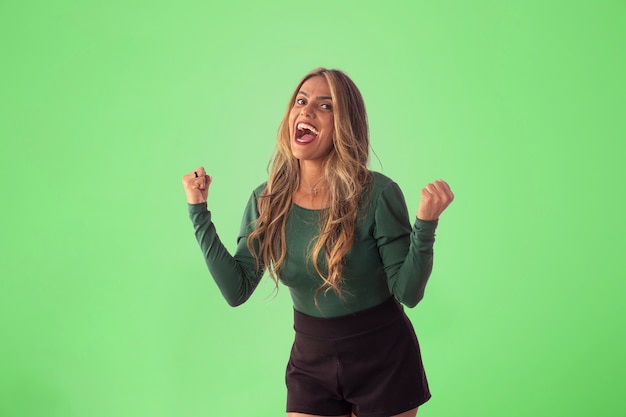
196	185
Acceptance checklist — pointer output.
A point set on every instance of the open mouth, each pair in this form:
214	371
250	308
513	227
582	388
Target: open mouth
305	133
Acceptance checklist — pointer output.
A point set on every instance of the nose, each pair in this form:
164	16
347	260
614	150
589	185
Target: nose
307	111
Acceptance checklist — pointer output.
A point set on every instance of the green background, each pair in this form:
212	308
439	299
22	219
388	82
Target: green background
106	307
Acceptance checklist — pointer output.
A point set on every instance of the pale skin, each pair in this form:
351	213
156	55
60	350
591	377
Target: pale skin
314	106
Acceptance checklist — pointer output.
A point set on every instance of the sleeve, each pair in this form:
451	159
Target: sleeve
236	276
406	253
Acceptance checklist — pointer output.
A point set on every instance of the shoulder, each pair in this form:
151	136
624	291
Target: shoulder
383	195
386	191
381	185
383	201
258	190
380	180
254	197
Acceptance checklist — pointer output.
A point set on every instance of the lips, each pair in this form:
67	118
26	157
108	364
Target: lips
305	132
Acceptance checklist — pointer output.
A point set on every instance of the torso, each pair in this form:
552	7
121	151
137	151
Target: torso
365	281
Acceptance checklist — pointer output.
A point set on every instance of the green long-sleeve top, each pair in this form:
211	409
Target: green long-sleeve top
388	257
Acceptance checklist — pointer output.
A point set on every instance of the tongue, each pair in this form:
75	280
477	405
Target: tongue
307	138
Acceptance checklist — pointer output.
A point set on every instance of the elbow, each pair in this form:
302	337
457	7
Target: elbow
236	301
412	301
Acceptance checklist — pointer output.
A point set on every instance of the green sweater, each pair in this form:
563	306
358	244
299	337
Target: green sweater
388	257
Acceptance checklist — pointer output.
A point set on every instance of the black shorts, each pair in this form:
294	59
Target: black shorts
368	363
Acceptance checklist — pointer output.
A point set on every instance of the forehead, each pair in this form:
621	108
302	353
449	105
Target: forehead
315	85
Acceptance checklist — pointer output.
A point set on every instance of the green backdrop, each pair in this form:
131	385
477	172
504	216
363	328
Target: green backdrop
106	307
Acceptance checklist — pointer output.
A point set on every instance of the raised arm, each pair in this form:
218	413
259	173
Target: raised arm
406	252
237	276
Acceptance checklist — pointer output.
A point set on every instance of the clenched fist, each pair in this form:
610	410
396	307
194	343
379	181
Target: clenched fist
436	196
196	185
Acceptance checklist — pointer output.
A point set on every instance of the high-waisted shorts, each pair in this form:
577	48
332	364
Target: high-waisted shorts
367	363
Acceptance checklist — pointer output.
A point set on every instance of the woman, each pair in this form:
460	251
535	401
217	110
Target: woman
338	236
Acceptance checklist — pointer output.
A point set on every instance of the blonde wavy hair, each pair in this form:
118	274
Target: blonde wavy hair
345	170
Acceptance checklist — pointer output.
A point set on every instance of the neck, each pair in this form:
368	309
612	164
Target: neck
311	175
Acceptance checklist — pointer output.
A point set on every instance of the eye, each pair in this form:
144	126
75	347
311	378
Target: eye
301	101
326	106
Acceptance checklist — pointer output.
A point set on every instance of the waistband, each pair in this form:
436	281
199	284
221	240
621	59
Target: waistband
351	324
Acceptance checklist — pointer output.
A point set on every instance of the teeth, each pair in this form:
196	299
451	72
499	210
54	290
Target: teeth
307	126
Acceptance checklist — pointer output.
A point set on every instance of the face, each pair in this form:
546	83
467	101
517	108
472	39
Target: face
311	121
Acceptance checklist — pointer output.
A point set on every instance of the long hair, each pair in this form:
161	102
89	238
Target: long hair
345	169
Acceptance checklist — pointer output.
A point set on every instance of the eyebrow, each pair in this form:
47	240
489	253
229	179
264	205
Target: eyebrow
318	97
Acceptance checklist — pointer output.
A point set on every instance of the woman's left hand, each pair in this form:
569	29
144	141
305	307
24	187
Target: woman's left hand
436	197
